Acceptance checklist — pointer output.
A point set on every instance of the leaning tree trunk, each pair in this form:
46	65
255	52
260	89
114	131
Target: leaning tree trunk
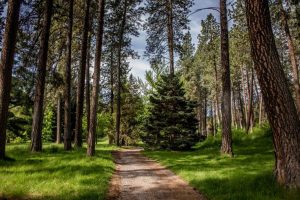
37	119
67	87
170	35
58	120
119	71
292	53
277	97
81	78
6	64
226	147
96	78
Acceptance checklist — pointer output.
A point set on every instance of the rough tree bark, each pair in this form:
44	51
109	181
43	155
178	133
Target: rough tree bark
96	78
67	86
118	114
37	119
226	147
292	53
58	121
277	97
170	35
81	78
6	64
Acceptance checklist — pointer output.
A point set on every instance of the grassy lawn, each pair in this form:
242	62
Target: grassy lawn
249	175
55	174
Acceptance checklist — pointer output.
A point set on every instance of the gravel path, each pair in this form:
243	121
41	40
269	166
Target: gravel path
139	178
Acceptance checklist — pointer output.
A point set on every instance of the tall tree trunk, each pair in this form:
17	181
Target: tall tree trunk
260	111
217	90
67	86
217	122
81	78
277	97
87	88
199	118
204	112
292	53
96	79
170	35
232	110
58	121
119	71
226	147
112	82
37	119
250	101
244	96
235	114
6	64
241	104
212	120
111	137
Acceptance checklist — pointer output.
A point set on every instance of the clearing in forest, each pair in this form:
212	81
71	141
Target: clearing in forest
138	177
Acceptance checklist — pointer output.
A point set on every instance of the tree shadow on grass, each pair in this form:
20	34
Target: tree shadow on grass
261	186
56	174
249	175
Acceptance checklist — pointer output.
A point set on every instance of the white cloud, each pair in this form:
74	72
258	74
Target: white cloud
139	67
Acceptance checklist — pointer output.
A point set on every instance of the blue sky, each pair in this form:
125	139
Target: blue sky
141	65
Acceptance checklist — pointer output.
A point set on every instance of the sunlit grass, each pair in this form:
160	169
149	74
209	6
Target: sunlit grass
55	174
249	175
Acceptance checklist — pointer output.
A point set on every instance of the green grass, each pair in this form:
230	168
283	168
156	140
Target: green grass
249	175
55	174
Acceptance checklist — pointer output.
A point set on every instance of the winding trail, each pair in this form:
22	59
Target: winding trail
139	178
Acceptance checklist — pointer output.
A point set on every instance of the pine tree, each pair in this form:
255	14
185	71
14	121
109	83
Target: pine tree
122	23
6	64
96	76
226	147
81	77
172	122
166	39
67	89
36	140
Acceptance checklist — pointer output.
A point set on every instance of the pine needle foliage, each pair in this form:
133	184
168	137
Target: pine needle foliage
171	123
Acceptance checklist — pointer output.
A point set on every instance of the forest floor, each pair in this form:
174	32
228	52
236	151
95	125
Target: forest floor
55	174
247	176
139	178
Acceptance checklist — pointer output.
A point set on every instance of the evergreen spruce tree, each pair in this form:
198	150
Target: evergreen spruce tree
172	122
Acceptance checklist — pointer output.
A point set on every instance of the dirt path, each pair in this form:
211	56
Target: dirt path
139	178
